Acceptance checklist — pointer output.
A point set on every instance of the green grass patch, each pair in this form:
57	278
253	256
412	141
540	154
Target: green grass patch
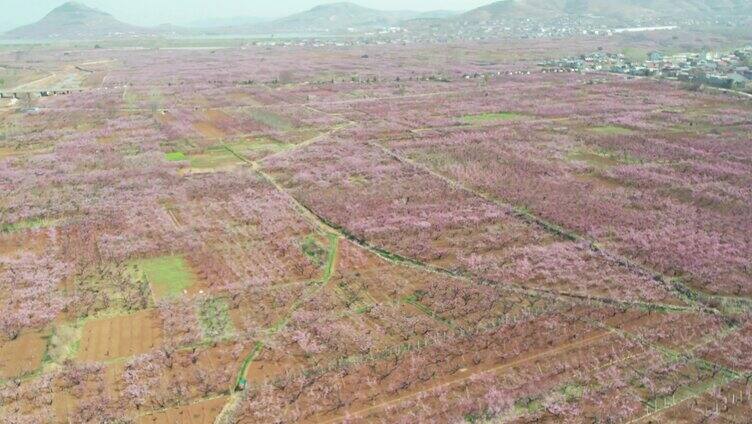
314	250
491	117
62	344
175	156
359	180
635	54
214	316
527	406
415	300
330	256
731	305
686	392
611	130
27	224
362	309
168	276
213	157
258	148
272	120
602	158
572	392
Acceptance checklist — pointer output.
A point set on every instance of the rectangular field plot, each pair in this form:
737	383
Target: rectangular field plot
215	158
260	147
226	156
168	276
19	242
254	232
253	308
184	376
203	412
486	118
725	403
214	316
380	382
22	355
120	336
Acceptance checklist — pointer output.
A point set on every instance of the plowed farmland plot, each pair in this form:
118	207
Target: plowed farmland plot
389	233
22	355
204	412
120	336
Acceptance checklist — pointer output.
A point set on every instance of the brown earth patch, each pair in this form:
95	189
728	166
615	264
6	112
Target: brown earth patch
63	404
120	336
22	355
29	241
207	126
203	412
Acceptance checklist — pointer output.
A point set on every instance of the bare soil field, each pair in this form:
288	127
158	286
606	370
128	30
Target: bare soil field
22	355
120	336
204	412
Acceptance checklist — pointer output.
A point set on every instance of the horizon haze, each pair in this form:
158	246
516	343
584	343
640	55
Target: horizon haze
186	12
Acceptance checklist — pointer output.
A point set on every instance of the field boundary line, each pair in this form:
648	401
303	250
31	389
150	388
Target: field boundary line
494	369
672	285
328	271
398	259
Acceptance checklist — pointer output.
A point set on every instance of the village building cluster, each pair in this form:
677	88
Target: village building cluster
730	70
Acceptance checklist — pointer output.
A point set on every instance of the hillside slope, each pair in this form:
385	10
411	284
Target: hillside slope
339	16
74	20
624	9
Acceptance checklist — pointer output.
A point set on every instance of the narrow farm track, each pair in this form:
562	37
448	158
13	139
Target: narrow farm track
328	271
414	263
684	292
310	141
34	85
392	257
466	376
321	222
685	353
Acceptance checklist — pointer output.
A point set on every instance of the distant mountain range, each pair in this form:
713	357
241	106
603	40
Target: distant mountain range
615	9
75	20
237	21
341	16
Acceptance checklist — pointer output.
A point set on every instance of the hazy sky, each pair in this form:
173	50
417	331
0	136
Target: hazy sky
152	12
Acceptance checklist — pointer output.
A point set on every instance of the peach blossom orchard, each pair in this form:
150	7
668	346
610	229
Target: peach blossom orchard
359	234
